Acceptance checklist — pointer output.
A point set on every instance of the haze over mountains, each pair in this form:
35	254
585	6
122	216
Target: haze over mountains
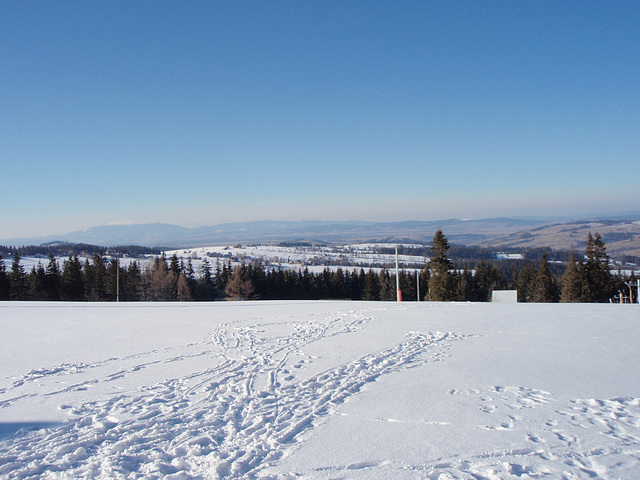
621	232
161	234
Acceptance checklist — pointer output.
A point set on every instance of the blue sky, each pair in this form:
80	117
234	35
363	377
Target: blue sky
203	112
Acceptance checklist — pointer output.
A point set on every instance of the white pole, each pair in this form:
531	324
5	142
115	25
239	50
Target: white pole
418	284
399	293
118	277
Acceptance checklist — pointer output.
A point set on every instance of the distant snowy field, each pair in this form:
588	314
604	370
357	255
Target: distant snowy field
314	259
319	390
297	258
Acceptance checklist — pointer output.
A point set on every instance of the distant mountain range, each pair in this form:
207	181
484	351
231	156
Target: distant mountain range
622	237
623	232
167	235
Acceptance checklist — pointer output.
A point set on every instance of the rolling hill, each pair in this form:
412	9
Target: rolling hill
622	235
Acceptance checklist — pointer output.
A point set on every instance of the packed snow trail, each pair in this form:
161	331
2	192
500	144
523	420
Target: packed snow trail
229	421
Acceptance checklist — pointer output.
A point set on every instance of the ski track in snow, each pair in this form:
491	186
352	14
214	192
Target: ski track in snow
228	421
240	416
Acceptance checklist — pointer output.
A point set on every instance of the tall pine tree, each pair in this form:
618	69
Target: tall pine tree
571	282
5	284
596	273
442	284
18	279
72	282
545	289
524	283
52	279
37	281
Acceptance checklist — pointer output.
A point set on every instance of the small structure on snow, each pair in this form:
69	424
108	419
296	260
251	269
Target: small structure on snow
504	296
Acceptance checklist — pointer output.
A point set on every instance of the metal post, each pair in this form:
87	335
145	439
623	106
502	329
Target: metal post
398	277
118	277
418	284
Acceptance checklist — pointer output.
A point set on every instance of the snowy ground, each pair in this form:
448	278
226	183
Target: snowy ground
319	390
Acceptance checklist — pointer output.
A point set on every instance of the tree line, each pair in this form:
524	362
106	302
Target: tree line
66	249
586	278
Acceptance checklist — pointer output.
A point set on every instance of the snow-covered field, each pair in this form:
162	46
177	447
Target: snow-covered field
349	257
319	390
361	254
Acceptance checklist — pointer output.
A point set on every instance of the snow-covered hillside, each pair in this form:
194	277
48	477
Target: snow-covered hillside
319	390
348	257
314	258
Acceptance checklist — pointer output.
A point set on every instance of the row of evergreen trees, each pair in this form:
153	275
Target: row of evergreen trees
587	279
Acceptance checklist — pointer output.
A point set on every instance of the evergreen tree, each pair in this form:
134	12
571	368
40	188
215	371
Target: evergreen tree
465	286
219	276
571	282
189	272
258	278
387	286
278	283
348	285
371	286
338	284
307	281
174	265
190	275
425	275
204	285
481	286
356	284
5	283
442	284
487	278
130	284
290	284
18	279
72	281
545	288
407	286
223	275
596	274
95	278
53	278
525	282
113	279
37	281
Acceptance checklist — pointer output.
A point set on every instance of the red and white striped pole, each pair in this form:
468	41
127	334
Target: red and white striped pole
398	277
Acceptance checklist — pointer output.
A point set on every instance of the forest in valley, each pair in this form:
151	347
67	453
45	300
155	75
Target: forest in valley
579	278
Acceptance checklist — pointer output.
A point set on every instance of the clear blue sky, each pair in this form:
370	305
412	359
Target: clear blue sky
204	112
